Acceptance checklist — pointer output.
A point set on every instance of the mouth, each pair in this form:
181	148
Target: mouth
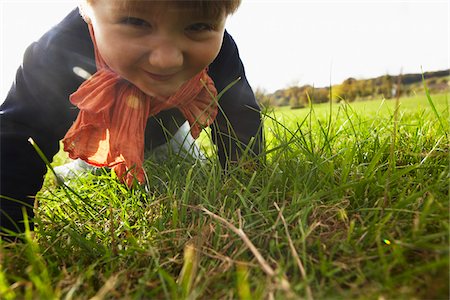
159	77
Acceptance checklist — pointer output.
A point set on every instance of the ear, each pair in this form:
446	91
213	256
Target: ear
83	7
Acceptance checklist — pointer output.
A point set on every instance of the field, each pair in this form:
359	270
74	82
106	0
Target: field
350	201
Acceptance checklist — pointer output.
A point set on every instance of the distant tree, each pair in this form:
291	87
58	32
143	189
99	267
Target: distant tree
295	102
279	98
294	94
411	78
306	94
348	89
387	86
263	97
364	88
351	89
320	95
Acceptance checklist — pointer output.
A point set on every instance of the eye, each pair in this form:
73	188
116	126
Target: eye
199	27
135	22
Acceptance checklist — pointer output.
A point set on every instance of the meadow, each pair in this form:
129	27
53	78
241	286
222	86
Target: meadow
348	201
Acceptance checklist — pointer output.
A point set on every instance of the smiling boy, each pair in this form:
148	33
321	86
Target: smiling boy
168	53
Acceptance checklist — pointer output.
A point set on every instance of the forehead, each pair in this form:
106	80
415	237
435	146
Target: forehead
198	8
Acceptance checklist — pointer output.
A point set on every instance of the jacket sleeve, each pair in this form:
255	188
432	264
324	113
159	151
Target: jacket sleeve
238	126
37	106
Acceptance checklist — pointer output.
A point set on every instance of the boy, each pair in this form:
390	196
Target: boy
153	49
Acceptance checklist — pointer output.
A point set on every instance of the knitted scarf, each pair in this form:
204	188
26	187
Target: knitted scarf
109	129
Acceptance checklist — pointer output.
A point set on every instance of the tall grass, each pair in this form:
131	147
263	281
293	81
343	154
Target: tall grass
312	221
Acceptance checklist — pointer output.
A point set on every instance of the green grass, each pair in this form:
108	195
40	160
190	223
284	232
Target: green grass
352	202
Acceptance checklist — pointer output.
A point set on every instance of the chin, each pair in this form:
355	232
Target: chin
159	90
159	94
166	92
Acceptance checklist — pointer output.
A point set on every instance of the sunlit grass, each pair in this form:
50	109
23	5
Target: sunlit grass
346	205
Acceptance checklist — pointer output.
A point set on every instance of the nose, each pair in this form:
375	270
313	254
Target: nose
166	57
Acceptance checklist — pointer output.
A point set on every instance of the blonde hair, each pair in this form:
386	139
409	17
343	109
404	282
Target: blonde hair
209	8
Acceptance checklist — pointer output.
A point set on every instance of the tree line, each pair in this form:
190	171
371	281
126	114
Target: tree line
351	89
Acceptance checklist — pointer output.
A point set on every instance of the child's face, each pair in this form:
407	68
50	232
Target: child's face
156	47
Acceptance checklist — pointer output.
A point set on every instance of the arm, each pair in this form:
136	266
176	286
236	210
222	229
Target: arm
239	118
38	106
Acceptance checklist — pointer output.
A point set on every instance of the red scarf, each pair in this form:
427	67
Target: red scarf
109	129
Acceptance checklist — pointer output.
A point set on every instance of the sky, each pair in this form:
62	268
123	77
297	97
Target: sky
284	43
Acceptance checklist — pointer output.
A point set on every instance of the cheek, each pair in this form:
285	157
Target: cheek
204	54
111	50
118	60
213	52
214	49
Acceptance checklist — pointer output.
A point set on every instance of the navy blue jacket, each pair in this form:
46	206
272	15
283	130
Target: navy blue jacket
38	106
